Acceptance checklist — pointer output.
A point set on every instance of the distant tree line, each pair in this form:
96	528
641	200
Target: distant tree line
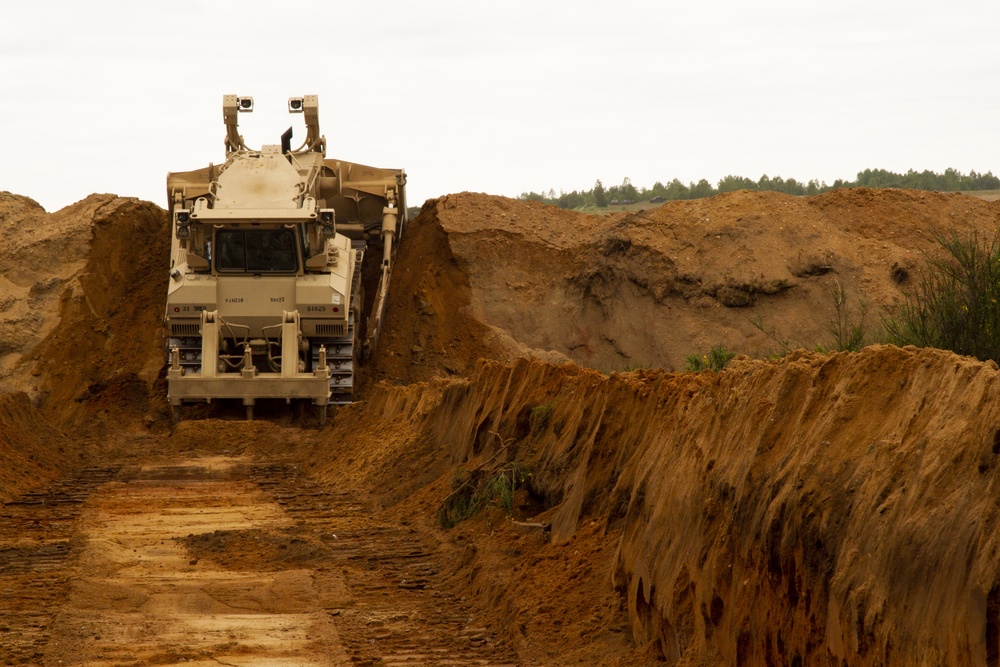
626	193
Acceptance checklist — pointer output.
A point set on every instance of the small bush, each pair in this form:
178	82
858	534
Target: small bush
784	344
716	359
483	489
849	329
954	305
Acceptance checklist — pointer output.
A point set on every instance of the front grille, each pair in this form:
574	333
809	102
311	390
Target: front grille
331	330
184	329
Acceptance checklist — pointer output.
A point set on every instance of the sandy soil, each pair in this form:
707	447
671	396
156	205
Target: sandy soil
139	596
810	509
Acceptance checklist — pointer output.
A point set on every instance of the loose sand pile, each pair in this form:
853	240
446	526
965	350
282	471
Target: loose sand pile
817	509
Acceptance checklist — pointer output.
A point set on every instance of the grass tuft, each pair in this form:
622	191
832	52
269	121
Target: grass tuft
483	489
716	359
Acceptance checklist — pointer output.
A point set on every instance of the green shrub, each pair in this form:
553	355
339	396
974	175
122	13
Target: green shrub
954	305
716	359
482	489
849	329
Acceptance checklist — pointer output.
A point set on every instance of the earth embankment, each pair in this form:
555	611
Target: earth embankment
815	510
88	294
753	271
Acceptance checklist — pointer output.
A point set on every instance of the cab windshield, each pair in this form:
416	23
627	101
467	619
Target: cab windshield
256	251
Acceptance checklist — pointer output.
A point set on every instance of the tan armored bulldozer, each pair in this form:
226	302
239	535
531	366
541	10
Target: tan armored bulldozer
269	252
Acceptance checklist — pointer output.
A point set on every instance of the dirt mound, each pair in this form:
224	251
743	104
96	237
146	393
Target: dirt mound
42	254
650	288
86	281
107	352
430	330
78	329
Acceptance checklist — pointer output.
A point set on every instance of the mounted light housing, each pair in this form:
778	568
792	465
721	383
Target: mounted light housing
182	216
327	218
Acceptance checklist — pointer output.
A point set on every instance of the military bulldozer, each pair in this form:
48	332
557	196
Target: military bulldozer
269	255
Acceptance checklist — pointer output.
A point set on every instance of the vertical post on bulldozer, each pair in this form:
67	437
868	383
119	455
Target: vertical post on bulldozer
209	344
289	343
389	216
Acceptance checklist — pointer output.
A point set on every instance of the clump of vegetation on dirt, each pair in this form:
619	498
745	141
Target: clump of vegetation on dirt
956	302
849	327
480	490
716	359
482	487
955	305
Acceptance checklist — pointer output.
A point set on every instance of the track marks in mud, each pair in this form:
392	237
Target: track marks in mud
139	596
400	612
36	542
217	560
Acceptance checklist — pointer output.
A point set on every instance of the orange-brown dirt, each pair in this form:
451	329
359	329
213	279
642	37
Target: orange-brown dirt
804	509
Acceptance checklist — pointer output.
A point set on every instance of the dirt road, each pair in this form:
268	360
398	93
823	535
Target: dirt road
221	560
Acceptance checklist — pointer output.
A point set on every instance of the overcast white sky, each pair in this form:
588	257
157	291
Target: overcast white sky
500	97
